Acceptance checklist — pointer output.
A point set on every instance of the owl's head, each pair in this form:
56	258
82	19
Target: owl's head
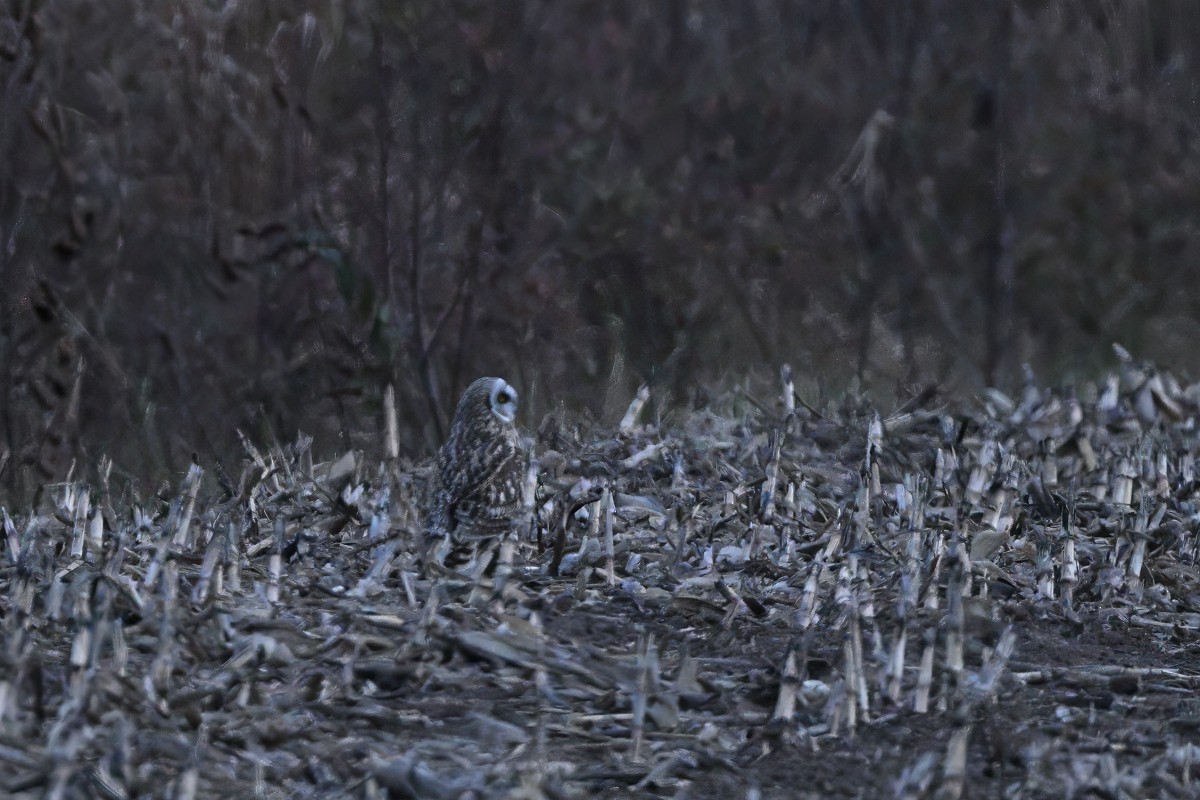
489	396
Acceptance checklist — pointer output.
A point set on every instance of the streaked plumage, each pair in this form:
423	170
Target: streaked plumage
477	487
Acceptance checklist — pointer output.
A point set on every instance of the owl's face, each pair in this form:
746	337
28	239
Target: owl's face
502	400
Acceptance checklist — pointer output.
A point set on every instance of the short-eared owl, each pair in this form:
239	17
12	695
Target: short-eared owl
478	482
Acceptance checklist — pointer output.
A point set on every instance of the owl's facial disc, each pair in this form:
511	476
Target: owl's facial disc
503	401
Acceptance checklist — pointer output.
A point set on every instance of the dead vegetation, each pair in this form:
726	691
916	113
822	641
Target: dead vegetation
996	598
222	216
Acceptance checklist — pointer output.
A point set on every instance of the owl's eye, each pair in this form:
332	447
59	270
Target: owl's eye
503	398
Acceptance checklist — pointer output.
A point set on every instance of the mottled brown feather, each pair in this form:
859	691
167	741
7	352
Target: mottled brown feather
480	472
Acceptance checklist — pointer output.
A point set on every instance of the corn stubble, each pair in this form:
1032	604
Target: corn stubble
678	608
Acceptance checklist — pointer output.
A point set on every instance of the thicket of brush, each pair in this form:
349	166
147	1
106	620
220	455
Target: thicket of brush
256	215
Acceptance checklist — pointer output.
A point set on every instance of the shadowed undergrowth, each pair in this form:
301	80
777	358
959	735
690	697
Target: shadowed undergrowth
257	215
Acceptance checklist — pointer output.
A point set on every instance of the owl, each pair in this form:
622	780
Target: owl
477	488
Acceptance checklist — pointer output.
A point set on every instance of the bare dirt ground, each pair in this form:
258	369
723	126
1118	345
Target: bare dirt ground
986	597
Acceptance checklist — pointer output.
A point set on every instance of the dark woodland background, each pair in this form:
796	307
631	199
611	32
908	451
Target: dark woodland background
257	215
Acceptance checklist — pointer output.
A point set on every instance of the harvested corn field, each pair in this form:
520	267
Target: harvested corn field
976	597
